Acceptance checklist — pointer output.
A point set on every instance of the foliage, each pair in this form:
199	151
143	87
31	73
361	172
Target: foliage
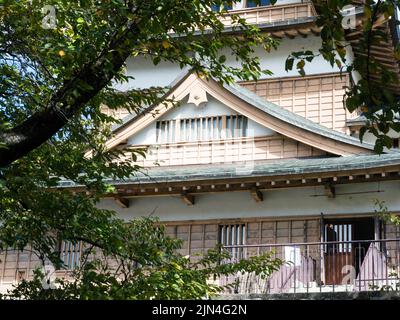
383	213
371	94
55	78
54	81
140	262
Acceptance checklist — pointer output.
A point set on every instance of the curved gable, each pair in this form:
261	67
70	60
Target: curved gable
248	104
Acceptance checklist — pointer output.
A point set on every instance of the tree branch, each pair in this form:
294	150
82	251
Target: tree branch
68	100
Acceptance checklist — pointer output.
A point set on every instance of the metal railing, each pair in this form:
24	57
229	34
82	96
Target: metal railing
335	266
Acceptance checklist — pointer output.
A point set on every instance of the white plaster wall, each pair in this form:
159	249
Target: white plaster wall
350	199
349	60
275	60
188	110
370	138
146	74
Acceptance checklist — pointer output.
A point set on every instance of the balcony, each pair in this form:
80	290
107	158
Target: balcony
341	266
275	13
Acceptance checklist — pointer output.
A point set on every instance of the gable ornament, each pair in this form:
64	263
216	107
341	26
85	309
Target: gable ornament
198	96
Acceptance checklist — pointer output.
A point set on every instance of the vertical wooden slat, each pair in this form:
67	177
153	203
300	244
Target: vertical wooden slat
4	265
293	83
28	269
69	253
232	129
170	132
223	129
212	128
177	130
204	238
73	254
246	230
17	264
305	230
319	100
306	93
80	252
189	239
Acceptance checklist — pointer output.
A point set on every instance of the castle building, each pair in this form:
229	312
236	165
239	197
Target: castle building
274	164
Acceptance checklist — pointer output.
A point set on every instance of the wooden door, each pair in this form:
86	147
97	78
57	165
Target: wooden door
339	257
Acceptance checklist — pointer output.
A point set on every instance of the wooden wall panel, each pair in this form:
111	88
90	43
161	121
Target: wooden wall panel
226	151
268	14
118	114
318	97
198	237
16	265
258	231
393	248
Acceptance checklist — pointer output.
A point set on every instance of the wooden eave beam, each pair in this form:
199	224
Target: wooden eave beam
187	198
122	202
278	34
316	31
330	191
241	184
291	34
304	32
257	194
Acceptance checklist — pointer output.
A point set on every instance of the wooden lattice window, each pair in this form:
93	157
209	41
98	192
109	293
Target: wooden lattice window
233	235
338	232
203	128
70	254
219	8
236	126
252	4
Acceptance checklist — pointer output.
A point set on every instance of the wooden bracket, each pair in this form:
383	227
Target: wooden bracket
188	199
122	202
330	191
256	194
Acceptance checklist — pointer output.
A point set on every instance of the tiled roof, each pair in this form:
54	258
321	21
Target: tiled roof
271	109
293	118
264	168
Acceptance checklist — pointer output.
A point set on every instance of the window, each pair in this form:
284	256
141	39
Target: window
233	235
218	8
236	126
165	131
205	128
338	232
252	4
396	143
70	254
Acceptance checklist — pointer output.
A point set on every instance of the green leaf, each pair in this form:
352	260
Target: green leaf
289	64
